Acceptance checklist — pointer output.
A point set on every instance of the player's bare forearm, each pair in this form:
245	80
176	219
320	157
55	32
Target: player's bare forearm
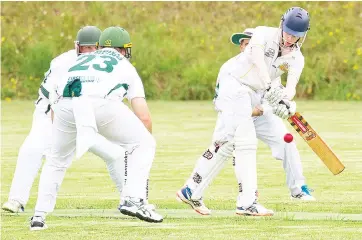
148	125
146	120
140	108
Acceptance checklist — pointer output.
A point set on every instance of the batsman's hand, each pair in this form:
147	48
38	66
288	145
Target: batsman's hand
285	105
275	95
281	111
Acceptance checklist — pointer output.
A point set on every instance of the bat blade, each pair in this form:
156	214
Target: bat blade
316	143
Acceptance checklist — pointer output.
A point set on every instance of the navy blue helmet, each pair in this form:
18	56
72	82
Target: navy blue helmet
296	21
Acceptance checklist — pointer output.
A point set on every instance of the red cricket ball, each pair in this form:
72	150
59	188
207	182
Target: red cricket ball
288	138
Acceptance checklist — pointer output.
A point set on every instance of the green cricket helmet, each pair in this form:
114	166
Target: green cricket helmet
116	37
87	36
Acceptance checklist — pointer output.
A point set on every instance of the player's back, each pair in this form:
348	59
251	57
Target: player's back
100	72
58	65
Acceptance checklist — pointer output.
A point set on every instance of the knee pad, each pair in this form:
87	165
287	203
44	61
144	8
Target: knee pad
224	149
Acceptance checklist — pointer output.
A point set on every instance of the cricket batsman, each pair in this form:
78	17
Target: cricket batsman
252	80
89	112
38	142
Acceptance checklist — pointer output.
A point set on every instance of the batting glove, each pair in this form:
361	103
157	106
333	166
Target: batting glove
281	111
291	105
274	95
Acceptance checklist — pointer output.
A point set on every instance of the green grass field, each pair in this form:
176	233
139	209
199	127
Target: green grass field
86	206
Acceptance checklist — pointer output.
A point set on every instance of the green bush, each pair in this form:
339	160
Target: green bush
179	47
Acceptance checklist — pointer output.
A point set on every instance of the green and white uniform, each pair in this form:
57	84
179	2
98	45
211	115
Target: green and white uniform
59	64
104	73
91	113
38	142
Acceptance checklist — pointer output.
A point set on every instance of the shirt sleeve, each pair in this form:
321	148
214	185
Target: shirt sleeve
257	46
294	72
135	88
52	75
55	71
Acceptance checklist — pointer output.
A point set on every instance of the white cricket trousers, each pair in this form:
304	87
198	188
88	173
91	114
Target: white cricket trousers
115	123
235	124
37	145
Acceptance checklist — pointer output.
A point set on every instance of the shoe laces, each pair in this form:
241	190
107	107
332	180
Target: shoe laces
253	207
196	202
134	201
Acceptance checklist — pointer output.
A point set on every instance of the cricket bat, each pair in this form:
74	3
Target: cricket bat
317	144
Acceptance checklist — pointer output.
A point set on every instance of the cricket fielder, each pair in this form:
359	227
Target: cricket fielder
241	87
38	142
89	111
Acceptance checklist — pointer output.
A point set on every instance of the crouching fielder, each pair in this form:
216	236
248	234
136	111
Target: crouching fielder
88	113
37	144
270	53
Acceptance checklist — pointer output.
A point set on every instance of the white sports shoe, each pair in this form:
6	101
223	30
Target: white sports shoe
147	213
304	195
37	223
255	209
137	208
184	195
149	206
13	206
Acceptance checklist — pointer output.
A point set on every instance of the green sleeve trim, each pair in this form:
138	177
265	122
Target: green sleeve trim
44	91
124	85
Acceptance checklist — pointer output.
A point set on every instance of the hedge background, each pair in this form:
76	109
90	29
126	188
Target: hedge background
180	46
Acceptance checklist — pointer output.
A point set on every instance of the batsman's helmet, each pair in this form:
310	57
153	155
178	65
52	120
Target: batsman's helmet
296	22
116	37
